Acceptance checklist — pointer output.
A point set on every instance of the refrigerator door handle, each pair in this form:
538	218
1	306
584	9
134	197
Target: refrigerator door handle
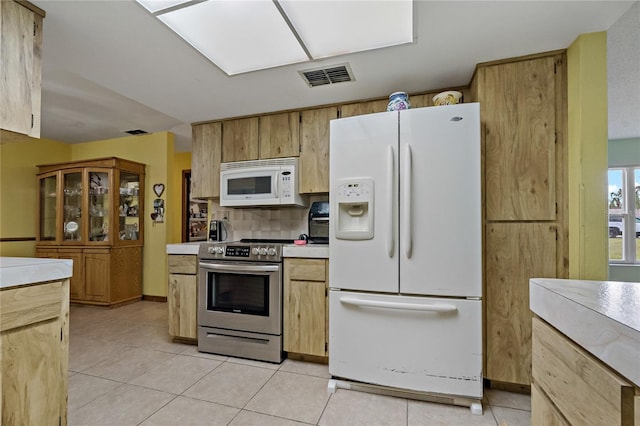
430	307
390	175
408	247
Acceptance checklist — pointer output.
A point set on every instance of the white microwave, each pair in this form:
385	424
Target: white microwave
272	182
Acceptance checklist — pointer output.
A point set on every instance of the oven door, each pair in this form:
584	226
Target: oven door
243	296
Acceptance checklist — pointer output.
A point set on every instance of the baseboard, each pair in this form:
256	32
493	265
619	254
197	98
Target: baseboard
161	299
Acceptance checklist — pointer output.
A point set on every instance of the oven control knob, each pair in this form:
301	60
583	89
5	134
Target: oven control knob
263	251
255	251
271	251
211	250
219	250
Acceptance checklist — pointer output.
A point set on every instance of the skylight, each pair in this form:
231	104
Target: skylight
240	36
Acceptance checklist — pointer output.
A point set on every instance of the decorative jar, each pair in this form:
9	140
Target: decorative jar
398	101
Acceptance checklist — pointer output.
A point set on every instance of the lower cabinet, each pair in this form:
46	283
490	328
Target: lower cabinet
102	276
182	296
570	386
34	354
305	306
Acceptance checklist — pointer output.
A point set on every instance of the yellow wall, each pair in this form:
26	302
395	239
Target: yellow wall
156	151
181	161
18	189
588	138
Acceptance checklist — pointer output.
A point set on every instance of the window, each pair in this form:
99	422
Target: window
624	215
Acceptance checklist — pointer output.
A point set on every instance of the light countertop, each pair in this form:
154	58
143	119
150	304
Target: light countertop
603	317
184	248
17	271
318	251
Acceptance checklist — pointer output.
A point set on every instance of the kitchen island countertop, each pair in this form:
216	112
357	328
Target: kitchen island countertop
603	317
17	271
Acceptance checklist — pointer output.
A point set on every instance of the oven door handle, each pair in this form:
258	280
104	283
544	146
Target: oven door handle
239	268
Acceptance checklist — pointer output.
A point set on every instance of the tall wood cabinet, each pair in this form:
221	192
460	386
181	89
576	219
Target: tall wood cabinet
21	71
523	112
92	212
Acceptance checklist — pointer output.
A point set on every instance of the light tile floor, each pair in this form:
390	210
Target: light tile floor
124	369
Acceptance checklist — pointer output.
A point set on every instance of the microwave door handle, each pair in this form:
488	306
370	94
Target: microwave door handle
239	268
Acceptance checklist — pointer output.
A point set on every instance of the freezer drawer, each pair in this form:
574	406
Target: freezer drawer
419	343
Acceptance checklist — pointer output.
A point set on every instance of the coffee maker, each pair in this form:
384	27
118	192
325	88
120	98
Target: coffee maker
319	222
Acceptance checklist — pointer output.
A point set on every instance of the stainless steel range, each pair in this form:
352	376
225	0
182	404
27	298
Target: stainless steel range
240	299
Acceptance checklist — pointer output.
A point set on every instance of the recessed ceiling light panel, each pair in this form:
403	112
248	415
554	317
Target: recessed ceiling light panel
238	36
331	28
154	6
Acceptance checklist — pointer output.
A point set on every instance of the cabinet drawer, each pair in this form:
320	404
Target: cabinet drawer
183	264
583	390
26	305
543	412
306	269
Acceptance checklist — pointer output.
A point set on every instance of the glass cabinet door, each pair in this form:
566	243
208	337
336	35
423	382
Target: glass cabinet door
99	205
129	206
72	206
48	208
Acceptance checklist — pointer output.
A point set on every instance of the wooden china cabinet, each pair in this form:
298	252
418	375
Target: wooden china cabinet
92	212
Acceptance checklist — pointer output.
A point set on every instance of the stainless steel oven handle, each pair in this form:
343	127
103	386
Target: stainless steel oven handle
239	268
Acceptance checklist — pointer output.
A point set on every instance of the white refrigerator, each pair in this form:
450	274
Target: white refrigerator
405	268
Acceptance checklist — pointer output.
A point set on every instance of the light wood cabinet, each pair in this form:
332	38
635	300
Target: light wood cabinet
92	213
523	113
314	153
206	155
182	296
361	108
240	139
280	135
305	306
34	354
575	384
21	71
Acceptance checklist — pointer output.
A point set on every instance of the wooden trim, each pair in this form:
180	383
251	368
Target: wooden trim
16	239
337	105
161	299
186	191
32	7
308	358
509	387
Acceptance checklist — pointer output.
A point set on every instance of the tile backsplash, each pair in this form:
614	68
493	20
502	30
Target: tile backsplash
282	223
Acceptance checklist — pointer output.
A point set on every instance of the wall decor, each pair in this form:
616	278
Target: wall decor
158	189
157	215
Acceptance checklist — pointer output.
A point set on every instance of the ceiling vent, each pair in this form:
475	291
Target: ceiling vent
136	132
330	75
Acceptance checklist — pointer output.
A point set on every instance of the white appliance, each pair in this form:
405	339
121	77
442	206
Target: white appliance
405	270
272	182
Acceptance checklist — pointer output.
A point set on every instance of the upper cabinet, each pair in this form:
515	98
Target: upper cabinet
314	153
21	71
91	203
240	140
280	135
518	106
206	154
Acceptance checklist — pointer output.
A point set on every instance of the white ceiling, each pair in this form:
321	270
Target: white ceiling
109	66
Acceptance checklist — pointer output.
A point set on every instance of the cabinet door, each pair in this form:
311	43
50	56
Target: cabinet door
280	135
76	283
314	153
73	226
49	205
543	412
182	300
206	154
361	108
515	252
240	139
20	79
305	314
519	116
128	210
96	276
